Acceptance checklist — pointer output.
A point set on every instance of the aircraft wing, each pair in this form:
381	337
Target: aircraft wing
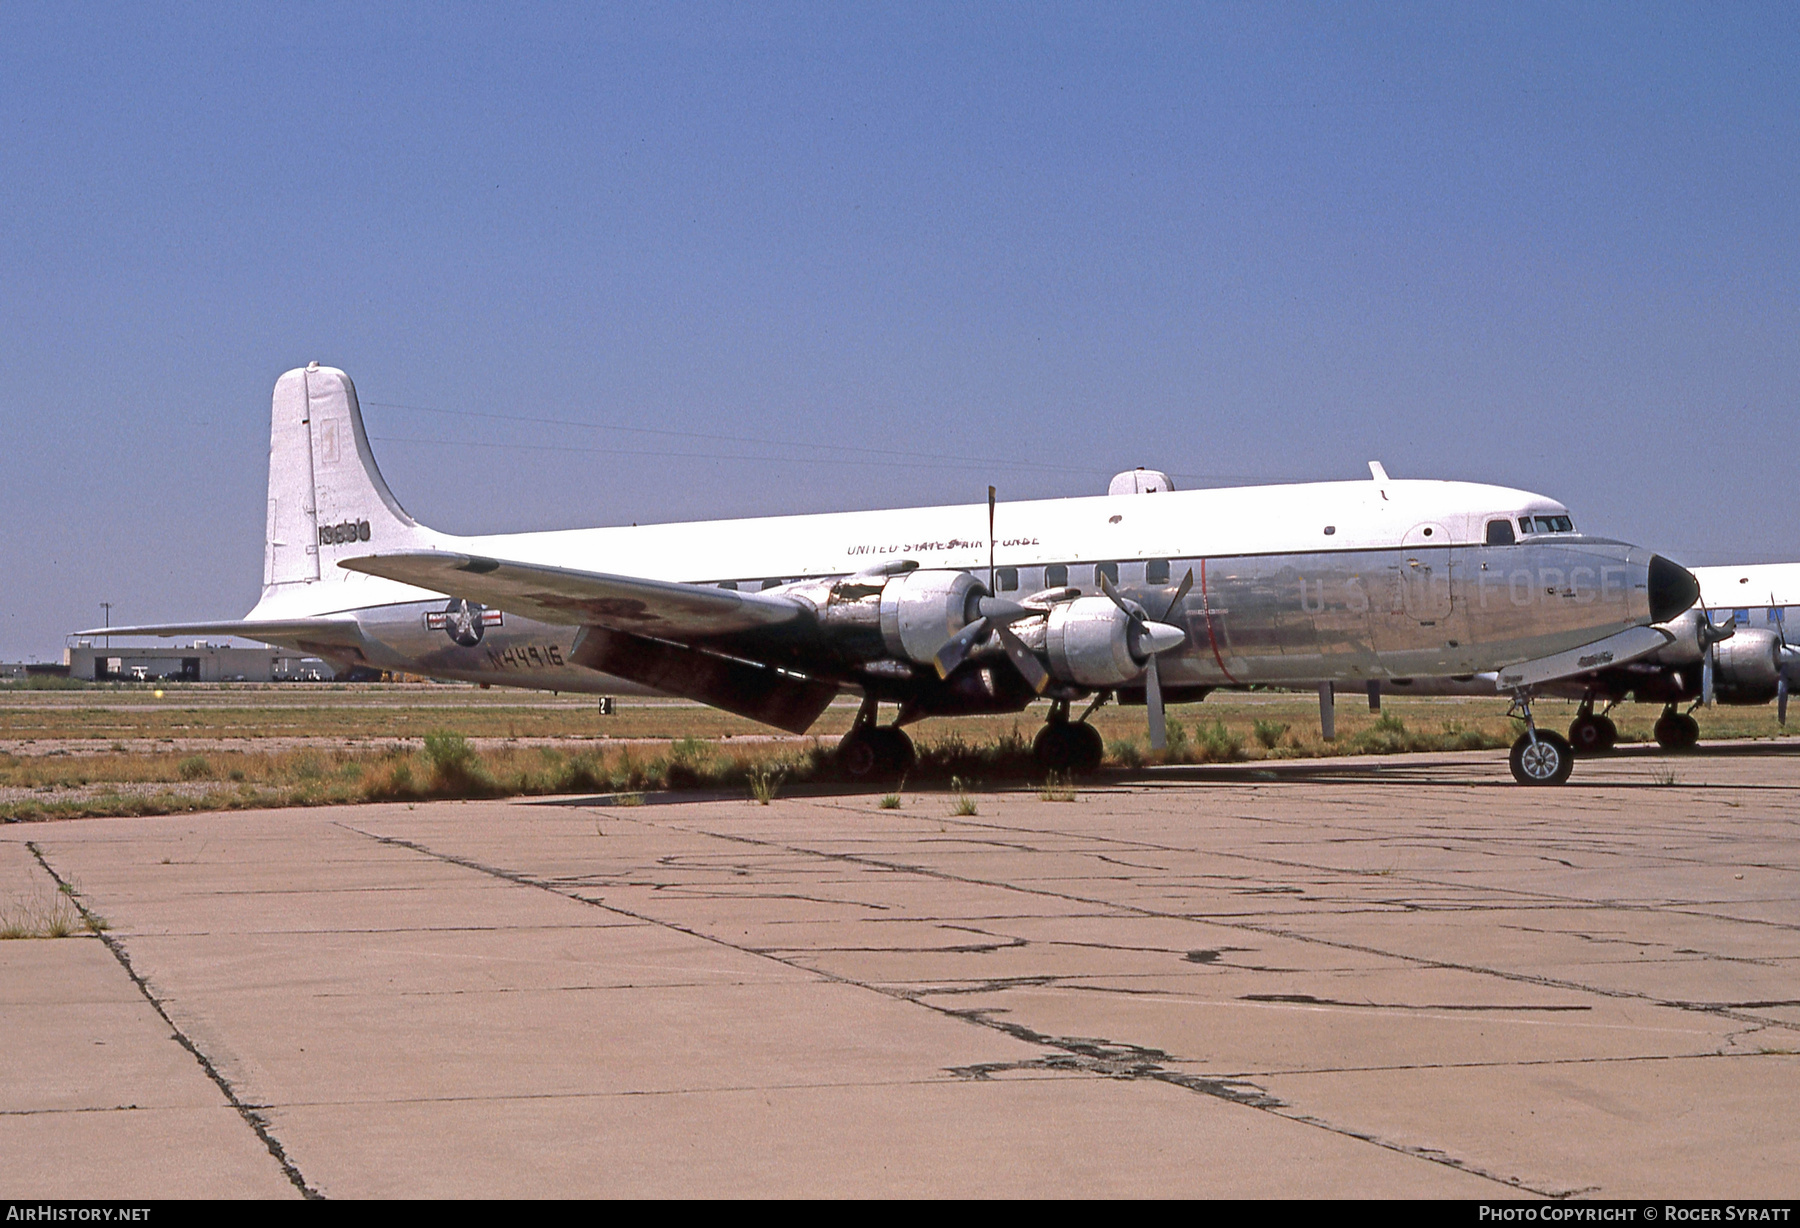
340	631
1627	645
659	608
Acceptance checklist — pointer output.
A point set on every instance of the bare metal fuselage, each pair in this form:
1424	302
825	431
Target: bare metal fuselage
1346	616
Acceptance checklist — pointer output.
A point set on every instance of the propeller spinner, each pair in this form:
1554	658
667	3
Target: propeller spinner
1151	639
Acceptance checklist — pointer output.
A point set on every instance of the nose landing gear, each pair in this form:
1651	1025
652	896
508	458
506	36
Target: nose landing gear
1538	758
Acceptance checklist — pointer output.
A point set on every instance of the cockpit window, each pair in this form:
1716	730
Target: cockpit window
1546	524
1500	533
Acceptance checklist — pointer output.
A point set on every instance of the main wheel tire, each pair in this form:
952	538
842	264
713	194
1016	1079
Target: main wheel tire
859	754
1609	732
1592	735
1090	748
1052	750
1547	762
1677	731
1068	746
893	750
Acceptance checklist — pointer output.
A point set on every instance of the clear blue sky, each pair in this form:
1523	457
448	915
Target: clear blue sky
1554	247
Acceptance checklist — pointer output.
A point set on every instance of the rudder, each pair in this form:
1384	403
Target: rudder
327	498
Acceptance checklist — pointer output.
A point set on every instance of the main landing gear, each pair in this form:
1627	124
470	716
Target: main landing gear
1677	730
1590	734
1063	745
870	750
1538	758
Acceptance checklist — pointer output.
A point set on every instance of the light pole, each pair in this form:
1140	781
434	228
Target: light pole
107	606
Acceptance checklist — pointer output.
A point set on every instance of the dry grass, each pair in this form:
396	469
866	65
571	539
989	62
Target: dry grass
354	753
51	916
962	804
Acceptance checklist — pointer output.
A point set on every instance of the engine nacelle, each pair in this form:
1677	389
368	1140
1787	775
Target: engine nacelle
1749	667
1689	643
921	610
1089	641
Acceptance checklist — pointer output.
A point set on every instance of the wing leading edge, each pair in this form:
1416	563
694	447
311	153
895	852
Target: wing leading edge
659	608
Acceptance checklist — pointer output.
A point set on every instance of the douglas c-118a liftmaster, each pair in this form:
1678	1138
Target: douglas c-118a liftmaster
945	611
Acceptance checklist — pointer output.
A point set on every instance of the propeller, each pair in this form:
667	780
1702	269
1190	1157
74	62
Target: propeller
1787	660
1152	638
1711	637
995	613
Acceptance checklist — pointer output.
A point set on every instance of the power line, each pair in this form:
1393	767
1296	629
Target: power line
890	457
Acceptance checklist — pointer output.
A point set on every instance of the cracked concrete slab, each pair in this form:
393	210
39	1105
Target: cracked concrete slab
1388	977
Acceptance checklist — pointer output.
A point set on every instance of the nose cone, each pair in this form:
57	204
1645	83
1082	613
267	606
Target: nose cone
1160	637
1672	589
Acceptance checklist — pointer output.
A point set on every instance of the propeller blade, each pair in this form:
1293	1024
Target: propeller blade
999	610
1187	582
1024	660
1106	586
956	650
990	539
1781	694
1052	596
1715	633
1706	679
1777	617
1153	705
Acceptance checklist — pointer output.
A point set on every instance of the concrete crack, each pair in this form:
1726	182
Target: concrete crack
250	1113
1077	1055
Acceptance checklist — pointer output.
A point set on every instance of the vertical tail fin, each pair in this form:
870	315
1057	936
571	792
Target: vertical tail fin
327	499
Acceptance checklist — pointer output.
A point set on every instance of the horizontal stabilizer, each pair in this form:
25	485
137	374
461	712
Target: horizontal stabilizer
314	630
1627	645
583	598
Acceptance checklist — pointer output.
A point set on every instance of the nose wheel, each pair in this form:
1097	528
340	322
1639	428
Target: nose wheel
1547	761
1538	758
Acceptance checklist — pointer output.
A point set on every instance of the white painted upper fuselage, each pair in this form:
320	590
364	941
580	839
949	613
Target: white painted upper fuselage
1304	518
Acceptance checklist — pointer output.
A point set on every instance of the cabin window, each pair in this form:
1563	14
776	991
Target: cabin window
1742	617
1156	571
1110	571
1056	576
730	584
769	584
1330	529
1500	533
1008	579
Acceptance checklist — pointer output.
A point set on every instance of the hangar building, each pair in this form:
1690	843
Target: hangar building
196	662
